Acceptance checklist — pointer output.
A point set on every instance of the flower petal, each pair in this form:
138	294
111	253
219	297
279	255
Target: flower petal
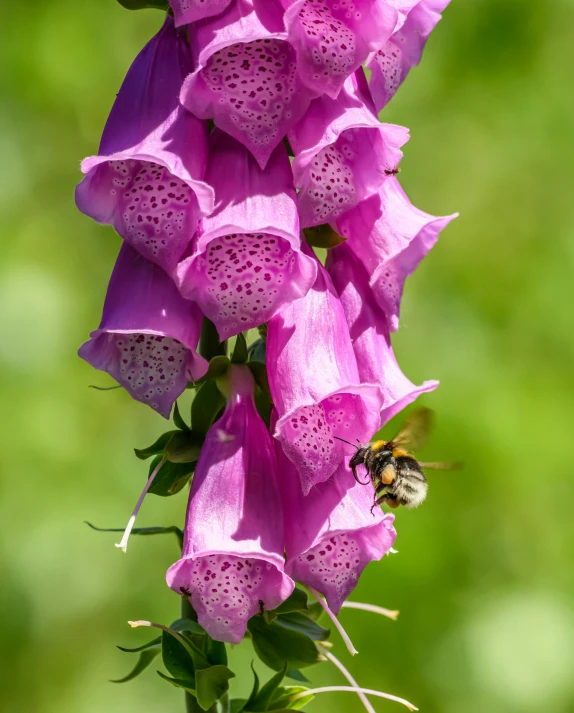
342	153
147	180
186	11
246	78
148	334
370	335
391	64
390	237
315	383
334	38
247	262
232	554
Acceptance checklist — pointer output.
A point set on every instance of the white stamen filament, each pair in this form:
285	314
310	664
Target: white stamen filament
350	679
123	545
348	643
389	613
368	691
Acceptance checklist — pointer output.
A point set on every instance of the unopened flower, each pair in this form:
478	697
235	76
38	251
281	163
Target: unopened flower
147	180
342	153
390	65
334	38
390	237
370	334
315	383
233	546
246	76
332	533
148	334
246	260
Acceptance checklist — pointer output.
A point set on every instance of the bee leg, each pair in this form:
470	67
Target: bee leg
361	482
389	500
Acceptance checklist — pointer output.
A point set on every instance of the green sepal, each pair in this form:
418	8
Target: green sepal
176	658
257	351
296	601
171	478
254	690
156	448
260	375
179	683
143	531
144	660
315	611
184	447
264	696
283	698
211	683
144	4
215	651
297	676
218	367
207	403
277	646
178	419
304	625
323	236
240	352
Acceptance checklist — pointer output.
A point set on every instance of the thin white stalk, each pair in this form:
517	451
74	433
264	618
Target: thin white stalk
389	613
348	643
350	679
368	691
123	545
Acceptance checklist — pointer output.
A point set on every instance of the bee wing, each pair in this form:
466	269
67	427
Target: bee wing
416	429
442	466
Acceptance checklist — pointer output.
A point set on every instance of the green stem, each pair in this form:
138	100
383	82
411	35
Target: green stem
209	344
191	704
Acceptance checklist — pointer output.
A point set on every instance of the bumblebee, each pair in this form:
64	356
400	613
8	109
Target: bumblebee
397	477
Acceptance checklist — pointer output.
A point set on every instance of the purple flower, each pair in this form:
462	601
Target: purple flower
233	544
247	262
148	334
315	383
391	64
342	152
147	179
370	334
390	237
334	38
331	533
186	11
246	76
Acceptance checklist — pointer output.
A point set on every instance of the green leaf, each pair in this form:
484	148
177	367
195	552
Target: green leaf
176	658
297	676
323	236
188	625
304	625
172	477
240	353
184	447
143	530
155	448
211	684
179	683
144	660
207	403
178	419
283	698
297	601
276	646
144	4
315	611
237	705
265	695
257	351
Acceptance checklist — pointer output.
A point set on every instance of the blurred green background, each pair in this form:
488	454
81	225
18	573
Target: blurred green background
484	576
